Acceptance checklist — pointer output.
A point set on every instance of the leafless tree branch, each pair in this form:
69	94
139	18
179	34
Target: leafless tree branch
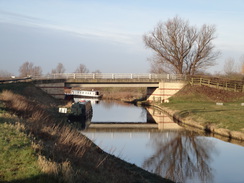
182	46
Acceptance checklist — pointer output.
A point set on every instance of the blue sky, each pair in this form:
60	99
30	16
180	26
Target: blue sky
104	34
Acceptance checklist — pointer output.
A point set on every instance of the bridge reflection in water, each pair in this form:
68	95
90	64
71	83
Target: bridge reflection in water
155	119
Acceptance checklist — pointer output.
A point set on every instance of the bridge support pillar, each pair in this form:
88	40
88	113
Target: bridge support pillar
54	89
164	91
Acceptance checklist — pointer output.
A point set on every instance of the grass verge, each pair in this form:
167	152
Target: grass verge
199	104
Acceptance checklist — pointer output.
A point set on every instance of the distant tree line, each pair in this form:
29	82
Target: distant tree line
28	69
233	69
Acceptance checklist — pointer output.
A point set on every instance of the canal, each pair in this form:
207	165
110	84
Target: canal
150	139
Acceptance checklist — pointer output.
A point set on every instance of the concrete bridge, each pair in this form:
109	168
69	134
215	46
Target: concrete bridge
159	86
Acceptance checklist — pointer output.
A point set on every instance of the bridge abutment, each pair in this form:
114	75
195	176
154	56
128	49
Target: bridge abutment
164	91
54	89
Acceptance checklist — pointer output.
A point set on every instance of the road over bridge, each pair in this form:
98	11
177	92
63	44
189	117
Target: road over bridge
159	86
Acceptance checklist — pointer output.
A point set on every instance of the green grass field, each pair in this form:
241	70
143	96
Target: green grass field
202	107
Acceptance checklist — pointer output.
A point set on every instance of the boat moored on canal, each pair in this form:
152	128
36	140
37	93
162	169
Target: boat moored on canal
84	93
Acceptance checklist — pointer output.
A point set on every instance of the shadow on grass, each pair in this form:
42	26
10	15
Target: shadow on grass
186	113
203	110
42	178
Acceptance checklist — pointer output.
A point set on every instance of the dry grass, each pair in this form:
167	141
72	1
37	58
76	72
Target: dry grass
63	171
64	152
54	137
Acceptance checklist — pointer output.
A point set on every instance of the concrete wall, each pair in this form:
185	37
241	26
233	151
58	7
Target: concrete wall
54	89
162	119
164	91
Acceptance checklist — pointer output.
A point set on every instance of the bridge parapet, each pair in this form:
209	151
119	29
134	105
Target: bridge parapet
112	76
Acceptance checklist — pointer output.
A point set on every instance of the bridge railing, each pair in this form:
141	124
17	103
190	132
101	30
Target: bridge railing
111	76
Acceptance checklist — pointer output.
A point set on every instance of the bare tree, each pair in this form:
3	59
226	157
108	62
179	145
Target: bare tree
81	69
229	66
37	71
158	66
5	74
59	69
242	64
28	69
181	156
25	69
184	48
97	71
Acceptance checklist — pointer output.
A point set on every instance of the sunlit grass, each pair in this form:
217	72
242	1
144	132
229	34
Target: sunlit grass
18	160
230	115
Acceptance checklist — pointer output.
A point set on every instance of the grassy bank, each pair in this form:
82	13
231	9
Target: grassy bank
198	104
56	151
18	159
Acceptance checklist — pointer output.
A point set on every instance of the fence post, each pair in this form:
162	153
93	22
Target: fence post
192	80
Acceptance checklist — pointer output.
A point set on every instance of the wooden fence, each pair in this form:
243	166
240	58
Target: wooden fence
224	84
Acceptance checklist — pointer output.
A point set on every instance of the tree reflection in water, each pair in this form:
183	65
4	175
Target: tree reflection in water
181	157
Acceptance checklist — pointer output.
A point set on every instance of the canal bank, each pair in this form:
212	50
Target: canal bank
62	151
182	118
199	107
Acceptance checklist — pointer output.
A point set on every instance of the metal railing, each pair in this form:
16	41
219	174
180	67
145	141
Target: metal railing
111	76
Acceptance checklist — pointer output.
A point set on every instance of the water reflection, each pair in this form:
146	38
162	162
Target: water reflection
111	111
149	118
164	121
181	157
81	123
166	149
176	154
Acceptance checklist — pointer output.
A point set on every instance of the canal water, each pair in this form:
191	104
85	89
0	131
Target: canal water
150	139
